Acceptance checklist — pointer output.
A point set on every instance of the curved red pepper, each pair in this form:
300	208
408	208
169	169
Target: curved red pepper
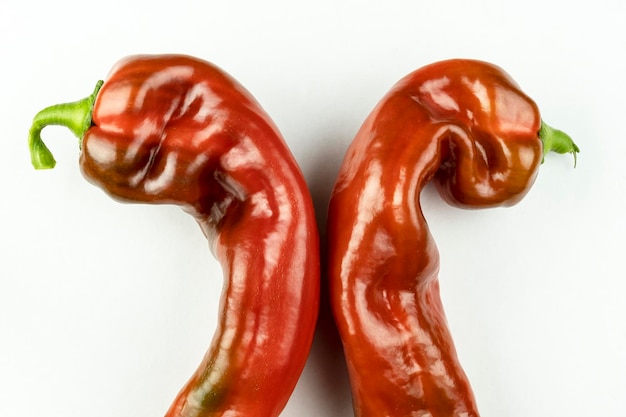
175	129
466	125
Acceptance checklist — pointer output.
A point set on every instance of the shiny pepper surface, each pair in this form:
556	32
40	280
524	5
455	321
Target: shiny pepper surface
467	126
177	130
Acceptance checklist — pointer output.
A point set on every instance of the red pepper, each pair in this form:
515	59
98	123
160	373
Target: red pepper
175	129
466	125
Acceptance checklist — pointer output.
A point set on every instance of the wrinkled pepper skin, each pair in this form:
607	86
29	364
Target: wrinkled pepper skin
177	130
467	126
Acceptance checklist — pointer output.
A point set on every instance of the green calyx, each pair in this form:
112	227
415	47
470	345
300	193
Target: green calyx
557	141
75	116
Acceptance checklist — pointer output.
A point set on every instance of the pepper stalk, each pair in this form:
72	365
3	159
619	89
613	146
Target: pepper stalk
555	140
76	116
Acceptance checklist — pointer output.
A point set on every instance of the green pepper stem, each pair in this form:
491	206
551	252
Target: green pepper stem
75	116
556	141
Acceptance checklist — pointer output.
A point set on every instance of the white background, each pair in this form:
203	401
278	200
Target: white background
106	308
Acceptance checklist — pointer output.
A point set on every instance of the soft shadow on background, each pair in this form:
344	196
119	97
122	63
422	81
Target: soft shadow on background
326	362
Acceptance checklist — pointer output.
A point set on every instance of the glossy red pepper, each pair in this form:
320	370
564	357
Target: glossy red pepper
466	125
175	129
